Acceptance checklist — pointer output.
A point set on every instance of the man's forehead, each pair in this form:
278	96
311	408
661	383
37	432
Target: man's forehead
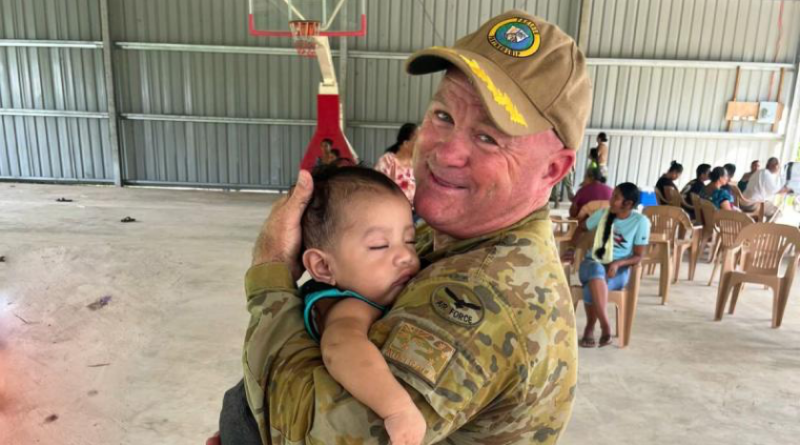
456	87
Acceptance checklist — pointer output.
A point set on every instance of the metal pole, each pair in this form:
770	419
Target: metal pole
111	104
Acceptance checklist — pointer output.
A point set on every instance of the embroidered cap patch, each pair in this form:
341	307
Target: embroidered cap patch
516	37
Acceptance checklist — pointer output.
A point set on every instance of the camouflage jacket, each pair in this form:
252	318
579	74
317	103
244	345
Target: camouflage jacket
483	339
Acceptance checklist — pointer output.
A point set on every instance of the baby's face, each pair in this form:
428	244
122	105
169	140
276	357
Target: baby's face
375	254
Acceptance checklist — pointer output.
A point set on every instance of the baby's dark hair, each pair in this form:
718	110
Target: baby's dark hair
334	186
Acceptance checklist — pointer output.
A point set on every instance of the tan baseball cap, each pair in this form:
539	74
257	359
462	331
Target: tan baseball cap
531	75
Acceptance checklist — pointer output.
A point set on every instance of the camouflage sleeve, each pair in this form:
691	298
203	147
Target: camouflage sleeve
275	317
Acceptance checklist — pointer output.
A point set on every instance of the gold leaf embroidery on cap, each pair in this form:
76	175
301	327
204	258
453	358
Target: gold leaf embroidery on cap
500	97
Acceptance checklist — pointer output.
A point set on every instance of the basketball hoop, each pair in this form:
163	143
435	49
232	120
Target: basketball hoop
304	33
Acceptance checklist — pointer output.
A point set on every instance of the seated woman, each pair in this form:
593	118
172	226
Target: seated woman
716	192
668	179
594	189
620	241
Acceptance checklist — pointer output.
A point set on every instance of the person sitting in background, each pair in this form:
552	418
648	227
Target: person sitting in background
396	162
607	265
716	192
668	179
695	186
764	185
754	166
339	161
602	153
326	146
594	189
591	164
731	170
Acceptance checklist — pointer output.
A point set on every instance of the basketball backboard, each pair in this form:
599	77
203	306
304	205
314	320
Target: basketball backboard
336	18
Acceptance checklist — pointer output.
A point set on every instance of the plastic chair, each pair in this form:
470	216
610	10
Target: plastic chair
709	235
729	223
563	230
674	223
740	201
625	300
673	197
660	199
763	247
590	207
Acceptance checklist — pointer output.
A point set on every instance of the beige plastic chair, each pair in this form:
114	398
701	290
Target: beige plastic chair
739	201
625	300
709	235
563	231
674	224
660	199
673	198
563	228
591	207
763	247
729	223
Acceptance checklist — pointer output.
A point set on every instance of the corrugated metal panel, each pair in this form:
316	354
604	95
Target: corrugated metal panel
642	160
213	154
50	19
379	90
370	143
54	148
409	25
230	85
677	98
66	79
741	30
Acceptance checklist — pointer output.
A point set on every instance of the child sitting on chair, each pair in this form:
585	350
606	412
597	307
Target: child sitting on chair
358	238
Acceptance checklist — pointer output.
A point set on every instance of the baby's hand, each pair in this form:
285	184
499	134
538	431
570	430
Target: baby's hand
406	427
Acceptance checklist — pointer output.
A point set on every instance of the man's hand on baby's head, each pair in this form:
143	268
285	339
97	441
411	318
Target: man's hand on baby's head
406	427
281	236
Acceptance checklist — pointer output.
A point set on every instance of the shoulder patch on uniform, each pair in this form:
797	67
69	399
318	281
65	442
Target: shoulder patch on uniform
419	350
459	304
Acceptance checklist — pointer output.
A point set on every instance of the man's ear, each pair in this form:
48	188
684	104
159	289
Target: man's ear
318	265
559	165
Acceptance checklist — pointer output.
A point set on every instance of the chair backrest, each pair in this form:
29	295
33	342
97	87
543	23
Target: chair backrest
696	199
708	210
591	207
667	221
563	228
583	245
729	224
660	199
673	197
765	244
738	197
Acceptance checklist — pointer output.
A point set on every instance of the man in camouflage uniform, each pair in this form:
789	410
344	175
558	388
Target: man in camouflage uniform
483	338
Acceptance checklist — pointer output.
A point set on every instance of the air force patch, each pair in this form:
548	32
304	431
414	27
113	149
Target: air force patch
459	304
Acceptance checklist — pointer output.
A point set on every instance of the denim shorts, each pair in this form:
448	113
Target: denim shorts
591	269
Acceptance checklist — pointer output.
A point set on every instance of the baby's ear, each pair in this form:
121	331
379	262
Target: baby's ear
316	262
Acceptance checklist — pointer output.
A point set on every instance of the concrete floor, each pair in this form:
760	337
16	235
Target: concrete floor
151	365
